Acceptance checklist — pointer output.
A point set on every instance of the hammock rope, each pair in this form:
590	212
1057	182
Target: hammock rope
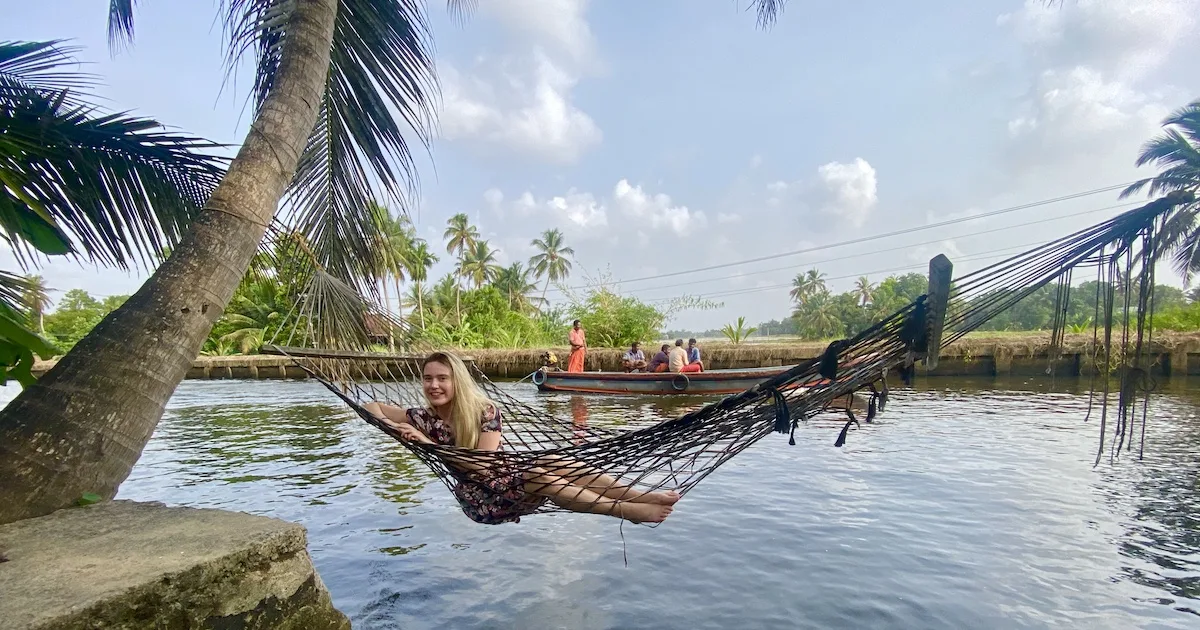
678	453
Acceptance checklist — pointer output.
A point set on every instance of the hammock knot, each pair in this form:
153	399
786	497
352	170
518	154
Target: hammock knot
783	420
829	360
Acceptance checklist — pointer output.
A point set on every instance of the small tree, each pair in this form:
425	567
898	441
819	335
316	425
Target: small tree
739	334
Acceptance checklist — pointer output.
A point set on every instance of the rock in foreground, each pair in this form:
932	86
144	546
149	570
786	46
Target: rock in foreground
123	564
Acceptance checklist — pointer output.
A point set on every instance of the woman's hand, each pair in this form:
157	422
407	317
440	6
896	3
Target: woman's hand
411	433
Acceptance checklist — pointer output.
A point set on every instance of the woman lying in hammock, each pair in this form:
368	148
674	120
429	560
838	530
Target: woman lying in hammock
460	415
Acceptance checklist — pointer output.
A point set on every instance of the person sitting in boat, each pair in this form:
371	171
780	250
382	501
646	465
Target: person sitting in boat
457	413
635	359
660	361
693	354
679	359
549	361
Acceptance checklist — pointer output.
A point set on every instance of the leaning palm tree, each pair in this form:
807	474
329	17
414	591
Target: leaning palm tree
553	260
419	260
338	86
36	299
1177	153
460	236
863	289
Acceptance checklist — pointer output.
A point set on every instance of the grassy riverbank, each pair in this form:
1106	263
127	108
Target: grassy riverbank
982	353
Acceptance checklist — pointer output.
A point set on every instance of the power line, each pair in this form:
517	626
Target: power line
867	239
890	249
995	253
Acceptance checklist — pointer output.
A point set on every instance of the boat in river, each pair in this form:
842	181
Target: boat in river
721	382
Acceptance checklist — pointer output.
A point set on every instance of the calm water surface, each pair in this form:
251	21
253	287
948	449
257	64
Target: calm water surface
970	505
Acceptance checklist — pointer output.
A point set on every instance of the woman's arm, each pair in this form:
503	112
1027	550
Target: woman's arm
489	433
397	418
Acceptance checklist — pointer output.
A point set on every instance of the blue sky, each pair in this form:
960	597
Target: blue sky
672	135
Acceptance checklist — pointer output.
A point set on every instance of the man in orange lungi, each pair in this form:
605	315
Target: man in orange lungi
578	347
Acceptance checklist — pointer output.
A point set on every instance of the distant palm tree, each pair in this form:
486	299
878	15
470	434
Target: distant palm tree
513	281
419	260
806	285
818	316
36	298
553	260
479	265
460	236
1177	153
864	289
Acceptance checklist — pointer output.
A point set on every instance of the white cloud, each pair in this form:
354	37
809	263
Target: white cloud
1088	109
852	190
628	210
655	211
525	110
849	191
521	101
1126	39
728	217
558	23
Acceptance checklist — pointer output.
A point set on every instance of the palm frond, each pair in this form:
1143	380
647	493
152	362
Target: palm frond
117	186
768	11
120	23
37	67
380	85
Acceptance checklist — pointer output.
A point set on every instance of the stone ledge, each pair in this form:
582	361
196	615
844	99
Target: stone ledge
123	564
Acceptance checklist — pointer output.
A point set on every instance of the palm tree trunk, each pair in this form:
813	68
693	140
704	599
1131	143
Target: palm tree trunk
458	292
82	426
421	305
544	289
387	303
399	301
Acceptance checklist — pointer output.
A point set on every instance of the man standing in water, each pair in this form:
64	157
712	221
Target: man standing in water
578	347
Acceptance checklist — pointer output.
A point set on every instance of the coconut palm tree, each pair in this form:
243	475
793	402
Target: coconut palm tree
1176	152
513	282
395	236
36	299
863	288
340	89
479	265
60	161
339	85
460	237
419	260
807	285
553	260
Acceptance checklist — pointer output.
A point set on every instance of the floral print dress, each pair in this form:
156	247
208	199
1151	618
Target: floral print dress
498	498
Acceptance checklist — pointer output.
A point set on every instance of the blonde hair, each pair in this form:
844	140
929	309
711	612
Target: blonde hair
469	402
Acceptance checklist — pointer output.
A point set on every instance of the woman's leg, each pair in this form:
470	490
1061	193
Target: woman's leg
578	474
541	482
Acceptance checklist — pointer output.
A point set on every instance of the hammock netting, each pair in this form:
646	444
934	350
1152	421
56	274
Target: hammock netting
677	454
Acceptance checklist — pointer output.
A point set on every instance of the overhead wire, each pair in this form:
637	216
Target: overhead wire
864	239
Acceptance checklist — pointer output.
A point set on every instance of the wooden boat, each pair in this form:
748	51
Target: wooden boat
717	382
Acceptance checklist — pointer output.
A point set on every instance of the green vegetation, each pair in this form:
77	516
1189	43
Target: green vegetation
739	334
60	164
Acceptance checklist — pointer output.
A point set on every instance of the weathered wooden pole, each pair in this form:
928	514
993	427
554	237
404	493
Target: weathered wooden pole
940	272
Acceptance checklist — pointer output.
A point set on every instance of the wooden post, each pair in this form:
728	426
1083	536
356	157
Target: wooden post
940	272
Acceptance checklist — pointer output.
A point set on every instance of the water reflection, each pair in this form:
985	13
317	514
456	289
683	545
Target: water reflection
968	504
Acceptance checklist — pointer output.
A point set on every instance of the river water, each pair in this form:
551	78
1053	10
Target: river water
969	504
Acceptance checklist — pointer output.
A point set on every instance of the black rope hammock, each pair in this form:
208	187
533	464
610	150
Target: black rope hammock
677	454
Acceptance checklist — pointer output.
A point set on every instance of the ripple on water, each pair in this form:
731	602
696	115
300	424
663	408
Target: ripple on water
965	506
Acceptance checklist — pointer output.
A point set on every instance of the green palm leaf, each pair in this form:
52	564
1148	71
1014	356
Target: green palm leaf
111	188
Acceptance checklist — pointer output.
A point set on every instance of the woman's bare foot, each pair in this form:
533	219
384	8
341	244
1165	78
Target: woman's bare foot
669	497
643	512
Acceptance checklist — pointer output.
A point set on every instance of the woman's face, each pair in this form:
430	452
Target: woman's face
439	384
